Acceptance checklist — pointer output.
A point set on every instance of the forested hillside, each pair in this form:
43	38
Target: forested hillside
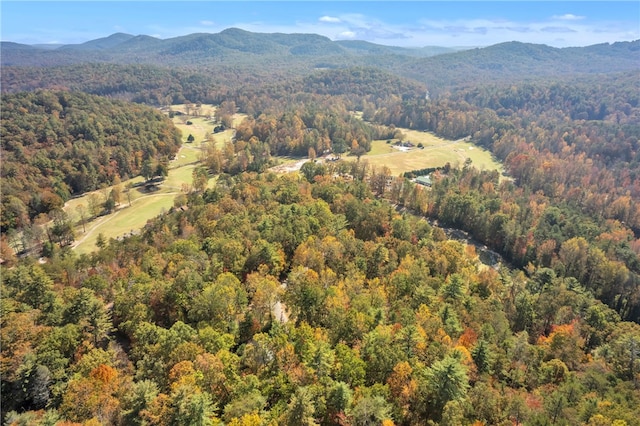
382	321
572	151
570	148
332	295
256	56
515	62
146	84
58	144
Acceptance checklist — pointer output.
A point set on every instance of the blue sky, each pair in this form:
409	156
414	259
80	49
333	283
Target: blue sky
411	23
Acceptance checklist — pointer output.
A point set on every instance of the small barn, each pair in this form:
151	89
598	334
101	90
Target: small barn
424	180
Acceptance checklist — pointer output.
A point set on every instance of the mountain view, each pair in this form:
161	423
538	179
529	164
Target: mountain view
291	228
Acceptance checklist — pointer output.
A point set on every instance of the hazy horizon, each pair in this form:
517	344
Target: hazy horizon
455	24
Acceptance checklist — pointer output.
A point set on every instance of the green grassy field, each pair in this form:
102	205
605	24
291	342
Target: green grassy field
145	206
177	177
200	127
71	205
436	152
188	155
124	220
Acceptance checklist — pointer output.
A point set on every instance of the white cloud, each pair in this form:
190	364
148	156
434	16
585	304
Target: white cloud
347	34
437	32
207	23
330	19
567	17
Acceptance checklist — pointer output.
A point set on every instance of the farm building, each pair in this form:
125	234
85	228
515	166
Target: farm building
424	180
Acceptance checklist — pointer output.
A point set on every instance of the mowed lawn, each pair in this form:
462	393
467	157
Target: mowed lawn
436	152
201	128
124	221
147	205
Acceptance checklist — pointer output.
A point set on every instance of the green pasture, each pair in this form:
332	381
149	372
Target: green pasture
147	205
415	137
432	155
124	220
200	128
436	152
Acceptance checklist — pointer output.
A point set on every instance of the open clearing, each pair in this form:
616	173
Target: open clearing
289	164
124	221
436	152
201	128
147	205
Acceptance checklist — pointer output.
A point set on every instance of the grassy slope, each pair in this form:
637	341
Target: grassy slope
125	220
145	206
436	152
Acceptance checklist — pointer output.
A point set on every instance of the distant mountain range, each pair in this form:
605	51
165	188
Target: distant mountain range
303	52
233	39
200	48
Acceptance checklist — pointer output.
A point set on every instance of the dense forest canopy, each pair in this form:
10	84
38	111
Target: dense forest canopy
148	84
328	296
515	62
572	150
59	144
387	320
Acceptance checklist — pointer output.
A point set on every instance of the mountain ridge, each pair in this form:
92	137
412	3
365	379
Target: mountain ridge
265	53
102	43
